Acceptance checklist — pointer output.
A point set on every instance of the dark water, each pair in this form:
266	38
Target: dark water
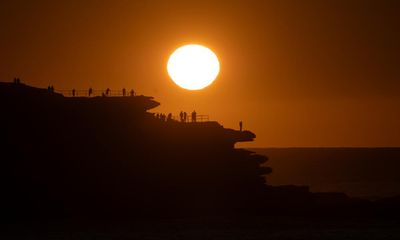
360	172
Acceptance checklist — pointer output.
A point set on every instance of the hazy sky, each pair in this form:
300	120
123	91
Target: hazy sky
298	73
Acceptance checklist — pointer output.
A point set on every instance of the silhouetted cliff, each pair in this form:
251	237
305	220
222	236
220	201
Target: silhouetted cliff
109	155
106	156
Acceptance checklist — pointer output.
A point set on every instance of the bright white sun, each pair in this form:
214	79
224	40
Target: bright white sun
193	67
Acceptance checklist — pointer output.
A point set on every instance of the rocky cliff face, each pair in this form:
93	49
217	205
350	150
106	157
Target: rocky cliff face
108	155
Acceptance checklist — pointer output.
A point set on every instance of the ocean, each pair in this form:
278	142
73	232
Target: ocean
370	173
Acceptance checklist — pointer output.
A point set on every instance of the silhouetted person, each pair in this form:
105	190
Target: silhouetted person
15	81
194	115
241	125
90	92
108	91
181	116
169	118
132	93
184	116
73	92
123	92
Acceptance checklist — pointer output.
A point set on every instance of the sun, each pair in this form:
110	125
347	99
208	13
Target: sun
193	67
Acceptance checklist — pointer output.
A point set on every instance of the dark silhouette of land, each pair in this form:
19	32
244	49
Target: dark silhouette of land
108	157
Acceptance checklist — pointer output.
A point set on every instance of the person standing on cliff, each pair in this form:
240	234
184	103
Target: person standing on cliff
181	116
241	125
194	116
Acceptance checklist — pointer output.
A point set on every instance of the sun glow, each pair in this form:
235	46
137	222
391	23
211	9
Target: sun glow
193	67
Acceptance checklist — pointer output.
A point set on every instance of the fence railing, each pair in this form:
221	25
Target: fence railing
199	118
121	93
95	93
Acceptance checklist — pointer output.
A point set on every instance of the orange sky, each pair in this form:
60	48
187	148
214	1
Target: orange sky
298	73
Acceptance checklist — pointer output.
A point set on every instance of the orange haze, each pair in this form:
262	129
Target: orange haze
298	73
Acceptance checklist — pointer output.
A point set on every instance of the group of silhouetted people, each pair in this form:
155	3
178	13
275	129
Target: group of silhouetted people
50	89
183	116
106	93
17	81
164	117
124	93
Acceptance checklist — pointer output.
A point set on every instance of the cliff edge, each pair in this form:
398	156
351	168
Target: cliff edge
110	155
